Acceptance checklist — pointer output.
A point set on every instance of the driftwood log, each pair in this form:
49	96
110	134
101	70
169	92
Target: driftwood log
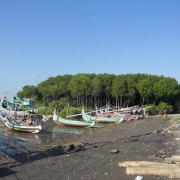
153	168
161	171
145	164
175	174
175	159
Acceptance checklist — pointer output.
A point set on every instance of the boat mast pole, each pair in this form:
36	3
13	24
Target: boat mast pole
67	111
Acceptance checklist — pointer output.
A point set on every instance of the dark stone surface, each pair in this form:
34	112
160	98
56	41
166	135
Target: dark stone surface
89	157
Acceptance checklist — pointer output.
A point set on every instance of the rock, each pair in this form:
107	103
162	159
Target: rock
168	161
162	152
80	148
69	147
114	151
139	178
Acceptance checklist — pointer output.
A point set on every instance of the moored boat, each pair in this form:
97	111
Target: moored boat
67	122
15	106
104	119
19	125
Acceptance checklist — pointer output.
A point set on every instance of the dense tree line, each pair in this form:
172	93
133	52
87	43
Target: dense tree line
92	90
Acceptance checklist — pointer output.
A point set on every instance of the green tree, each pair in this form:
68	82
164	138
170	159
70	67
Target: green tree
144	87
96	88
79	87
165	88
119	89
27	92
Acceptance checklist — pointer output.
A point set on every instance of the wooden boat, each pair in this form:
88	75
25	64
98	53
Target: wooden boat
128	117
104	119
131	108
17	107
66	122
19	125
11	111
127	113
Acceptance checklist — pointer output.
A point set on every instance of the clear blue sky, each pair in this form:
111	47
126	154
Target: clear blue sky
46	38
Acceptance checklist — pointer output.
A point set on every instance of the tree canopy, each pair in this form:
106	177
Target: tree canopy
92	90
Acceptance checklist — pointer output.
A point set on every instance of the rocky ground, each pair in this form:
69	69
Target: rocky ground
96	155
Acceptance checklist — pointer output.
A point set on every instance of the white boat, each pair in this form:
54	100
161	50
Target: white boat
19	125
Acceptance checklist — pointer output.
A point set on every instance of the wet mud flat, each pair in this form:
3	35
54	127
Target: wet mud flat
15	142
96	155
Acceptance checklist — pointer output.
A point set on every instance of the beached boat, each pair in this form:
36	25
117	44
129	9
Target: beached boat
128	109
132	109
19	125
128	113
128	116
105	119
67	122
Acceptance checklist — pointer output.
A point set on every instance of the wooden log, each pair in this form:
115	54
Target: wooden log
149	171
175	174
176	158
169	158
145	164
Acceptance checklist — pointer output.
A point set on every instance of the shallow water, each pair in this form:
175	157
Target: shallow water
15	142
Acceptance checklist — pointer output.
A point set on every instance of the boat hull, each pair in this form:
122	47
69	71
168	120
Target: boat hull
101	119
65	122
21	127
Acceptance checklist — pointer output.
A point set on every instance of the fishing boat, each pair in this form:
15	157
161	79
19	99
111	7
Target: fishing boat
19	125
131	108
128	116
128	113
67	122
16	106
101	119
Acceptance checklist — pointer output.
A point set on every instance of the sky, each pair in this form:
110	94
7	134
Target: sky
40	39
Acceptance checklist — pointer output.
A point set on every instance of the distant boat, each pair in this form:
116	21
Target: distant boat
106	119
128	116
127	113
17	107
67	122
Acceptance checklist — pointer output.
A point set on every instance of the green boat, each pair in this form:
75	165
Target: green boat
88	118
67	122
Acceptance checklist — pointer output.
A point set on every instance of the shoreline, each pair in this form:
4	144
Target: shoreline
96	155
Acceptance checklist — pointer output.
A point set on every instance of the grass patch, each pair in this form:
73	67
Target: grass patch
176	119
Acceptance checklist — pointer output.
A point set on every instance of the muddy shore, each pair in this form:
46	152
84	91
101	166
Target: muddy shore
96	155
